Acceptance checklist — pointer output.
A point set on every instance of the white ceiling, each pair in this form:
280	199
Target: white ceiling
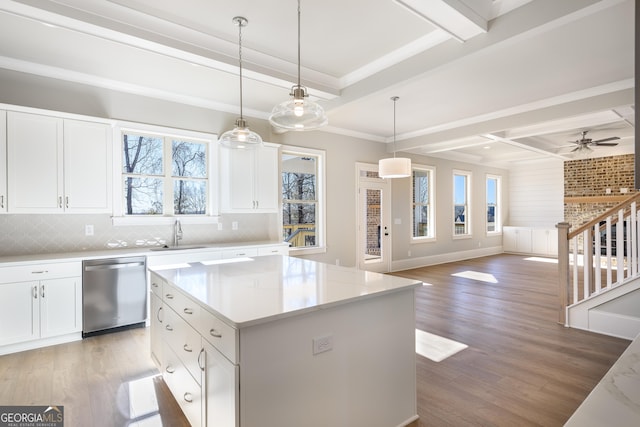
494	82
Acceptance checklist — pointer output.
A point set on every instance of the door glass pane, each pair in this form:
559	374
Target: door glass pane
373	223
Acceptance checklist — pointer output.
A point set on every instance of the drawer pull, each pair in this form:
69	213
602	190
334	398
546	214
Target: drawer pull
40	272
170	369
187	348
199	356
169	296
169	328
215	333
158	315
188	311
154	284
188	398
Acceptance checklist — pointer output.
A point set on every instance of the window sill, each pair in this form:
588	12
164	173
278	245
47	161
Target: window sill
418	240
462	236
307	251
118	221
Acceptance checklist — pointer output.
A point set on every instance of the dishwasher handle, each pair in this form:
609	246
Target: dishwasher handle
113	266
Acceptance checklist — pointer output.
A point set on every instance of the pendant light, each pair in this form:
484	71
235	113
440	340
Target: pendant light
394	167
241	137
298	113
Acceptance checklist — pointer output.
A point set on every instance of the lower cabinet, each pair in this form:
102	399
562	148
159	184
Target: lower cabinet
221	389
530	240
39	309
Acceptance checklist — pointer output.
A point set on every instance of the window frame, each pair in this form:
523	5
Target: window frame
166	133
498	207
431	171
320	155
468	203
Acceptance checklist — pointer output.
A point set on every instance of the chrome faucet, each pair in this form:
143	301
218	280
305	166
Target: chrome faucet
177	232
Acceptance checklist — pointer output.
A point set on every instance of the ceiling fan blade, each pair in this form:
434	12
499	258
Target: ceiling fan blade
575	149
613	138
605	144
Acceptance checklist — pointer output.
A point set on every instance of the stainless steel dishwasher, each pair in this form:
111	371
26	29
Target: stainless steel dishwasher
114	294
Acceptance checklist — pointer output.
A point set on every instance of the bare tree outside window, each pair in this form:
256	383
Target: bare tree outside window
299	200
143	168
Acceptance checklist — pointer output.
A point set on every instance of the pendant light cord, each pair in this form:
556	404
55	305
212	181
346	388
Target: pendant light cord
394	99
298	43
240	25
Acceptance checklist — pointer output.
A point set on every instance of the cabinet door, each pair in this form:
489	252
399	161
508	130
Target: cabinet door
156	325
509	239
238	175
267	179
3	161
34	149
60	306
19	312
87	167
221	389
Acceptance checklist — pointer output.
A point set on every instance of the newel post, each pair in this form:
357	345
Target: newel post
563	270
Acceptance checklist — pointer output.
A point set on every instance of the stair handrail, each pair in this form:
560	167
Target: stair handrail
622	205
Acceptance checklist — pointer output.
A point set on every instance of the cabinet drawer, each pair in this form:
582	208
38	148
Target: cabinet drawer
220	335
185	342
183	386
156	284
239	253
25	273
181	304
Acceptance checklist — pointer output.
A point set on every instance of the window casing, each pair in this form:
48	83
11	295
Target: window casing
303	211
164	173
493	195
461	204
423	203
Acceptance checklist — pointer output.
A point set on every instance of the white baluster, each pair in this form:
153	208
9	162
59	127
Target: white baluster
587	263
634	241
608	237
575	270
620	247
597	276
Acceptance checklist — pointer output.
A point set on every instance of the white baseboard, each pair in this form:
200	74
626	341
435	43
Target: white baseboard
44	342
406	264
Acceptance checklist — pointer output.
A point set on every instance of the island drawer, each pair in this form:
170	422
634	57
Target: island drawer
181	304
183	386
222	336
184	340
156	284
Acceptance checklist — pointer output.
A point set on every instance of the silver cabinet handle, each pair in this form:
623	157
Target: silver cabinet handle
42	291
66	202
154	284
40	272
169	328
2	201
169	296
188	398
188	311
35	292
158	315
215	333
199	356
170	369
187	348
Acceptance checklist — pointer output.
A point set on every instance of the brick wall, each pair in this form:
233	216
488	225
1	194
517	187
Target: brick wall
591	177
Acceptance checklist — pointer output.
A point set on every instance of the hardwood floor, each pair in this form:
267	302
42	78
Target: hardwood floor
521	367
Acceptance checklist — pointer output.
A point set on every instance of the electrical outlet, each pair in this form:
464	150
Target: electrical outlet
322	344
219	226
234	225
88	230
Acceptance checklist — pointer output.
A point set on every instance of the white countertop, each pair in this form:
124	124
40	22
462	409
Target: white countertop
615	401
249	291
8	261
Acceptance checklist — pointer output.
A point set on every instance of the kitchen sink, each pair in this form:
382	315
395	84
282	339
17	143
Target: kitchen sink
176	248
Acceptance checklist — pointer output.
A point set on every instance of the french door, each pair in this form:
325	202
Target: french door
374	220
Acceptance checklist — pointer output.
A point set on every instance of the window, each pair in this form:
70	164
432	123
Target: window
303	199
423	183
493	204
461	211
163	174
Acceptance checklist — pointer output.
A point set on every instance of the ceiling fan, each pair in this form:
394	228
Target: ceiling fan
585	143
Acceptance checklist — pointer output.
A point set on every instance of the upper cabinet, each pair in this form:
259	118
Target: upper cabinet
3	161
249	180
57	165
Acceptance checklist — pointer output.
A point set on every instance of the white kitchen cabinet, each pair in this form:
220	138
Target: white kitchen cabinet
57	165
39	302
545	241
249	180
530	240
516	239
3	161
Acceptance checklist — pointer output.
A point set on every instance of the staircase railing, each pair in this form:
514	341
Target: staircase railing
598	255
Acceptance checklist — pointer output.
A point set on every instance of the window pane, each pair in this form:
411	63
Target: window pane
189	159
142	155
421	221
492	203
298	186
460	189
143	196
189	197
420	187
460	222
299	224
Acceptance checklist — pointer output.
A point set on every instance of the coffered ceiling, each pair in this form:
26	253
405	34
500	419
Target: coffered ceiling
496	82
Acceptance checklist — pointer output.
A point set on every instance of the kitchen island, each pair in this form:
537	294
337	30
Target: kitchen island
281	341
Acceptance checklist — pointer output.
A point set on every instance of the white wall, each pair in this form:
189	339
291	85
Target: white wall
536	194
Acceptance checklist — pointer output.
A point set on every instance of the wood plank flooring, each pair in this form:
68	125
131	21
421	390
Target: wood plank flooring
521	367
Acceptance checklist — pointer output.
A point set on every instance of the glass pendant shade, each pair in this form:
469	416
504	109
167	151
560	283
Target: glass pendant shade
394	167
298	113
241	137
